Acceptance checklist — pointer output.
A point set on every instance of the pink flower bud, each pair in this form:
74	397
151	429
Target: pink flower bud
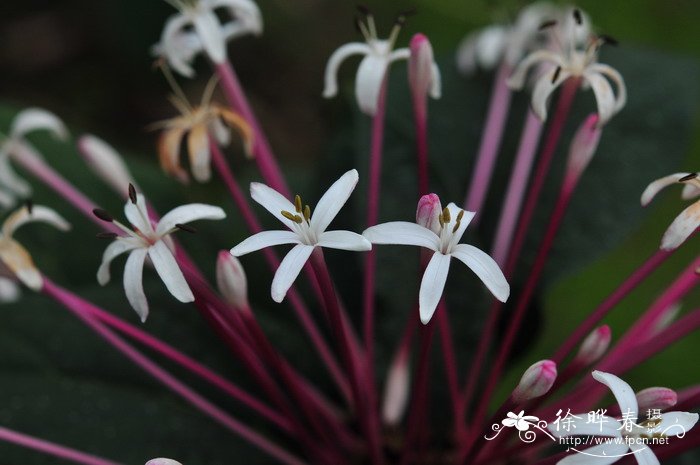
423	75
396	391
428	212
231	280
536	381
583	146
594	346
656	398
106	163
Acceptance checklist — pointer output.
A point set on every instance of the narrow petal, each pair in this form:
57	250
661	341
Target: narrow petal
112	251
18	260
682	227
483	48
288	270
169	271
344	240
467	218
222	134
272	201
543	90
485	268
604	454
604	95
106	162
517	80
656	186
264	239
246	17
333	200
331	74
690	191
162	461
643	454
208	27
198	149
368	82
10	180
622	391
436	83
7	200
432	285
133	282
38	213
137	214
241	125
581	426
169	153
32	119
676	423
615	77
399	54
402	233
186	214
9	291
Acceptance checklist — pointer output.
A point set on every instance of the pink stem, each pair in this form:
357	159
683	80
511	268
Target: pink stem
50	448
80	308
516	187
293	296
264	157
420	119
450	361
490	141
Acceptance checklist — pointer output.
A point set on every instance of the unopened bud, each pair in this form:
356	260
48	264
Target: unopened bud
231	280
106	163
396	391
428	212
423	73
583	146
536	381
656	398
594	346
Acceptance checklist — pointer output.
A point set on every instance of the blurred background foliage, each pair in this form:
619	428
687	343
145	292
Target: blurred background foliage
88	61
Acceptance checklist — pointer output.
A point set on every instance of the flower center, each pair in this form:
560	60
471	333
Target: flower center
301	219
448	238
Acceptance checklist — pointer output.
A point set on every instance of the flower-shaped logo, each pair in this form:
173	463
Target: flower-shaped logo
520	421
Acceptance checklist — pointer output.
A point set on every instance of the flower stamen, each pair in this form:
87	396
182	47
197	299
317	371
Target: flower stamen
292	217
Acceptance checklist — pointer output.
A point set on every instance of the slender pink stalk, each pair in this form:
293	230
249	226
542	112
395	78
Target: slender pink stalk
80	308
51	448
490	141
267	164
450	361
516	187
293	296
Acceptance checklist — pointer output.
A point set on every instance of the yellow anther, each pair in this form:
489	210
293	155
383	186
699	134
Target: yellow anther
297	203
307	213
441	220
446	215
292	217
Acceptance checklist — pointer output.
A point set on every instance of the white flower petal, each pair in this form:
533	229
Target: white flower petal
368	82
543	90
7	200
485	268
10	180
112	251
137	214
604	454
246	17
208	27
616	77
432	285
331	74
604	95
656	186
482	48
436	82
221	132
133	282
467	218
179	47
399	54
31	119
622	391
676	423
20	263
186	214
581	426
288	270
402	233
517	80
38	213
333	200
169	271
105	162
272	201
344	240
9	291
690	191
264	239
162	461
682	227
643	454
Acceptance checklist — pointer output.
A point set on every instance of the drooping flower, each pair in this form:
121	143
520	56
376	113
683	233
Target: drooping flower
442	235
13	255
568	60
198	124
106	163
633	434
15	145
149	239
378	53
307	231
689	219
179	45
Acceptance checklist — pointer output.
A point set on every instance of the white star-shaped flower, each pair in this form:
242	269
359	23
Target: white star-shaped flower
13	255
441	233
634	435
306	232
569	60
149	239
179	45
15	145
379	54
689	219
520	421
